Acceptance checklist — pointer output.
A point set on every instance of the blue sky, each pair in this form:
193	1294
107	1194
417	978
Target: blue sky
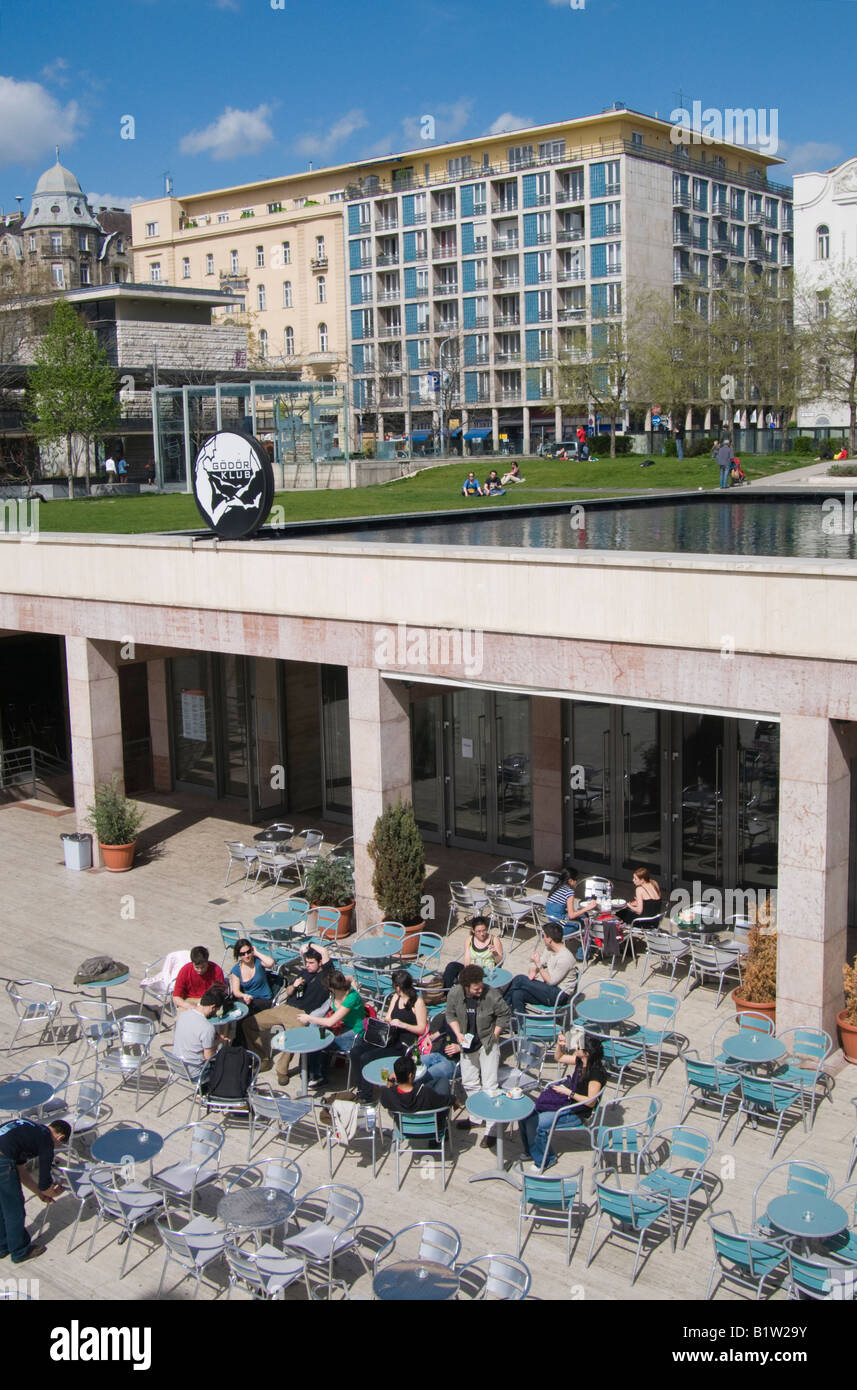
227	91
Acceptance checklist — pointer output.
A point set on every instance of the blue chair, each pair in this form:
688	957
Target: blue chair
844	1246
711	1084
629	1132
423	1132
808	1048
800	1177
541	1023
427	958
230	932
680	1174
375	984
657	1028
745	1020
772	1100
553	1201
632	1215
569	1119
327	924
811	1277
621	1056
744	1259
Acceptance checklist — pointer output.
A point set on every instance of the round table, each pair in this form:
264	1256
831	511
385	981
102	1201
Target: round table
377	947
807	1214
508	879
238	1011
280	921
255	1208
500	1110
24	1095
498	978
303	1041
419	1281
119	1145
756	1049
102	986
269	839
606	1010
372	1070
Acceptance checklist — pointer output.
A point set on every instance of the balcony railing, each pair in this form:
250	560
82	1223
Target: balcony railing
497	209
364	262
396	402
545	316
543	200
446	326
680	200
507	356
319	263
574	272
682	275
682	237
719	208
508	393
572	194
481	283
480	209
389	296
386	224
444	290
417	220
421	255
570	234
506	320
478	359
507	282
391	258
478	397
480	244
540	355
444	253
700	243
481	321
390	330
505	244
443	215
567	315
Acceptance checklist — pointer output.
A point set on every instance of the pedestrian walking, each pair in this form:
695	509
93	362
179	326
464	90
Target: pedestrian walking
21	1140
724	462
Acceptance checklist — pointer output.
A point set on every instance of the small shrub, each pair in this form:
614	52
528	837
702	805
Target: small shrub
112	816
400	864
805	446
760	970
849	975
330	882
670	450
700	448
842	470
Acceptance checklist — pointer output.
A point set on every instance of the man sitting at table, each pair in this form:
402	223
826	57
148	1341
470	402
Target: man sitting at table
307	994
404	1095
552	972
195	978
196	1039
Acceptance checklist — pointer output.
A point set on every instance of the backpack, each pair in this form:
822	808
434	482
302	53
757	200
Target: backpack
229	1075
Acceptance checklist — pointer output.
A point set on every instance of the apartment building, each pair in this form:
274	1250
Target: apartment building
278	245
825	239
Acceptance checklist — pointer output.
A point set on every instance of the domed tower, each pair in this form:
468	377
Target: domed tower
63	240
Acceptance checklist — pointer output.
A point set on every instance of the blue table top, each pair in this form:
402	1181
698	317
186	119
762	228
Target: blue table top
415	1280
748	1046
301	1040
118	1145
271	921
498	977
806	1214
500	1108
105	984
24	1095
376	947
604	1010
372	1070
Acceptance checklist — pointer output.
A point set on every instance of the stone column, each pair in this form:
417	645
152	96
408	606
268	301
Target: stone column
95	721
812	893
525	439
380	726
546	744
557	421
159	729
495	430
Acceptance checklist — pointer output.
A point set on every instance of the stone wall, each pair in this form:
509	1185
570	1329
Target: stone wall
181	346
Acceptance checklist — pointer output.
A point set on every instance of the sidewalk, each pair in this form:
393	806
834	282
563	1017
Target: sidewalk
814	475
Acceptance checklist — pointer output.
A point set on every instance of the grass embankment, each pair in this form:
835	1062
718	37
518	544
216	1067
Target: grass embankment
435	489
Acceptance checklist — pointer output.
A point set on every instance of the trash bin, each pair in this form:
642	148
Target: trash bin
77	850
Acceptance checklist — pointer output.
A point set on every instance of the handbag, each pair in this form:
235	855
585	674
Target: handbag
376	1032
552	1100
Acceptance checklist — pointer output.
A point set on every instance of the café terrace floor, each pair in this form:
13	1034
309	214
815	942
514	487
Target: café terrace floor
53	918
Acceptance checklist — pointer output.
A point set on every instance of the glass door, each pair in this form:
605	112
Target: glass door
235	743
336	742
587	780
427	765
193	722
514	808
641	789
471	756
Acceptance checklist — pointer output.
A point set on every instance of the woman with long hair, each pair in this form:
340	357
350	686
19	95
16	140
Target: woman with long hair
580	1088
408	1018
647	901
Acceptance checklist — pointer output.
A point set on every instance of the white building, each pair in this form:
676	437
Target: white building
825	235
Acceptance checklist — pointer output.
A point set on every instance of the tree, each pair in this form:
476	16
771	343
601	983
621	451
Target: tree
599	375
72	388
826	312
23	315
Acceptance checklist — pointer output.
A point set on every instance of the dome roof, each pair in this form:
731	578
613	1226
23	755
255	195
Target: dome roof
58	180
58	201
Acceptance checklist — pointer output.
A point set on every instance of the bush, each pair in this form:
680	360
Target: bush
114	819
670	449
760	970
600	445
700	448
805	446
400	864
842	470
330	882
849	975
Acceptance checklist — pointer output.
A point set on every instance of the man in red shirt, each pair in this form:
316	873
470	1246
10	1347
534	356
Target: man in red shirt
195	978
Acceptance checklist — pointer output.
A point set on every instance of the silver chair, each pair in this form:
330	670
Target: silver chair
239	853
265	1273
509	913
197	1245
280	1114
663	952
36	1007
179	1073
54	1072
273	864
95	1021
464	903
80	1107
501	1277
161	993
127	1052
129	1205
331	1214
280	1173
234	1105
711	960
76	1179
182	1179
436	1242
368	1131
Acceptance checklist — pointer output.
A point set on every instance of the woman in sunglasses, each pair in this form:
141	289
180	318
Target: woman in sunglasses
248	981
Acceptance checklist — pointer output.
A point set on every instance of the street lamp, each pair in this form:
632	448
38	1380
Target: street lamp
440	392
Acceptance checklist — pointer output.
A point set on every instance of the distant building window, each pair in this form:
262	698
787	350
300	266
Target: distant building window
263	344
822	243
552	149
155	272
151	229
261	299
322	337
120	246
118	275
636	137
287	294
209	264
322	290
233	262
84	275
56	242
822	305
186	268
287	253
458	168
82	241
32	241
520	156
260	257
319	248
223	217
289	342
275	207
58	276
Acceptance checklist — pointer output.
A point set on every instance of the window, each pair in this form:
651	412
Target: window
420	207
260	257
118	275
543	189
322	337
261	297
612	218
186	268
545	304
614	258
263	343
480	204
365	287
84	275
369	357
151	229
700	194
422	280
275	207
209	264
58	276
289	342
56	243
457	168
738	204
822	305
520	156
636	138
552	149
32	241
223	217
614	299
422	318
287	294
368	323
545	272
322	290
287	252
155	272
364	215
233	262
82	241
365	245
611	174
822	243
320	253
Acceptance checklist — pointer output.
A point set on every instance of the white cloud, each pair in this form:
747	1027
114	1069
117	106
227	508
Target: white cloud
112	200
812	155
56	72
32	121
508	121
233	133
337	134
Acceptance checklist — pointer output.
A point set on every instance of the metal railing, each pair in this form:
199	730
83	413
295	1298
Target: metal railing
20	767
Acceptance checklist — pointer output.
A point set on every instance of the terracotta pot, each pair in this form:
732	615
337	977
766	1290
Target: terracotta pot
747	1006
118	858
411	940
343	926
847	1037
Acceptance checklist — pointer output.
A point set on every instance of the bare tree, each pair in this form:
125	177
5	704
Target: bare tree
826	312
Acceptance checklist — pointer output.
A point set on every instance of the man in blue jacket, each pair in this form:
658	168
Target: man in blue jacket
21	1140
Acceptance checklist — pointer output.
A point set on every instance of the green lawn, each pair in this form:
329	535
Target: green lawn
436	489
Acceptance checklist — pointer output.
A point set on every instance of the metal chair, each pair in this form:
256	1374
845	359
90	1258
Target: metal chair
501	1277
95	1021
127	1052
711	960
427	959
181	1074
627	1132
812	1277
130	1205
621	1056
680	1173
273	865
230	933
230	1105
265	1273
437	1242
80	1107
368	1131
745	1019
332	1212
344	850
280	1173
545	881
632	1215
663	952
800	1177
422	1132
280	1115
54	1072
765	1099
36	1007
512	866
327	924
239	853
182	1179
197	1245
808	1050
551	1200
657	1028
844	1246
465	903
75	1177
711	1084
529	1058
740	1257
508	913
160	990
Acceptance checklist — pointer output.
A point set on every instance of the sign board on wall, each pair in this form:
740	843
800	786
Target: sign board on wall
193	715
233	484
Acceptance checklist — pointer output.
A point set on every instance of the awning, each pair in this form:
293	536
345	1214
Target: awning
420	436
455	434
477	434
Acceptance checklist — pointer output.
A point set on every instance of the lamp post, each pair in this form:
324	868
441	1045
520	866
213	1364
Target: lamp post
440	394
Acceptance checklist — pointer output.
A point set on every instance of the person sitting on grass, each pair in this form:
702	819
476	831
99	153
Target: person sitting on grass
513	475
493	486
471	487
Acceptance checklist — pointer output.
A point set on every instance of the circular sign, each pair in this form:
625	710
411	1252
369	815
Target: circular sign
233	484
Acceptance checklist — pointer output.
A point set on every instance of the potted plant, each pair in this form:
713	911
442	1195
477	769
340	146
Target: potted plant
847	1018
330	883
758	993
400	870
115	821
